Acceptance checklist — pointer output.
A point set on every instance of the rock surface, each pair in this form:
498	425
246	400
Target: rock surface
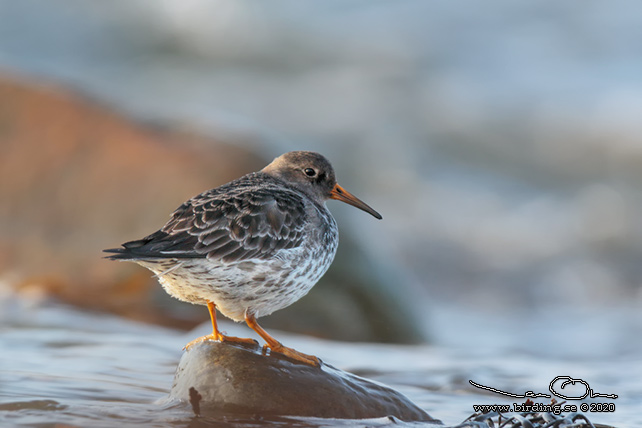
223	378
77	177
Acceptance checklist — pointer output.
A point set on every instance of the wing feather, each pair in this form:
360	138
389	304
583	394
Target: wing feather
235	222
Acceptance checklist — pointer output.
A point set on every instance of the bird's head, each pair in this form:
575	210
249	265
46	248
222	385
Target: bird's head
313	174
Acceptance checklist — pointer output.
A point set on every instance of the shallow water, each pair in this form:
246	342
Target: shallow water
60	365
520	135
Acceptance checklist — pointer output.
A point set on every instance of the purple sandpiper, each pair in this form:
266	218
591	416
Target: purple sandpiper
249	247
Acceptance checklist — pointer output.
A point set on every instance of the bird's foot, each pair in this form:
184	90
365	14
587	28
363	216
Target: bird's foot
199	340
220	338
310	360
223	338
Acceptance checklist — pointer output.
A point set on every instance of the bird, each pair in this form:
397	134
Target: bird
249	247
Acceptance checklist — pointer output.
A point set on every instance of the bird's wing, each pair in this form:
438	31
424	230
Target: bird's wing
229	226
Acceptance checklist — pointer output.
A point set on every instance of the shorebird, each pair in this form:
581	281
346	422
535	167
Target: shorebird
249	247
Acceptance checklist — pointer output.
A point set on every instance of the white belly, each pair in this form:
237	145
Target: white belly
258	286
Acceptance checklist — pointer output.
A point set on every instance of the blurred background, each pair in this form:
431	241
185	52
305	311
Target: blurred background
501	143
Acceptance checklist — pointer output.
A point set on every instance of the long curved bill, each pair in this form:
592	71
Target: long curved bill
341	194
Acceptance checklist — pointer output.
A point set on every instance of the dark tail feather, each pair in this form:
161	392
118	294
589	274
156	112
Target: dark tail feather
129	250
158	245
119	254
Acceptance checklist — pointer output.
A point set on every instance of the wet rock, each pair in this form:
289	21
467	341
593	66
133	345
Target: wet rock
222	378
355	302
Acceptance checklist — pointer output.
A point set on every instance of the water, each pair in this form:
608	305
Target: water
61	365
505	143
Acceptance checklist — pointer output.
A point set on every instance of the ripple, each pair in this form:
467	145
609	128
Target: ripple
45	405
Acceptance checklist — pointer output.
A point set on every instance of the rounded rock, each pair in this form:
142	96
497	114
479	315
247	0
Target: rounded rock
230	378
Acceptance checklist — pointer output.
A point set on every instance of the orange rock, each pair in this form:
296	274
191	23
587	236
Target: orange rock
77	177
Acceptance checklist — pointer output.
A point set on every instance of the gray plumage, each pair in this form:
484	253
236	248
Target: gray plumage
252	246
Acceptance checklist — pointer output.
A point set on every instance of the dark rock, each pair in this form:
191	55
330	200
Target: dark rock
357	300
222	378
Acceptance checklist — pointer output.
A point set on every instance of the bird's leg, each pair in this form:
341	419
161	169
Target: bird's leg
216	334
276	346
220	336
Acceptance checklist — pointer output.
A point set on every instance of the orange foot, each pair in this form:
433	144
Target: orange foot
218	337
276	346
310	360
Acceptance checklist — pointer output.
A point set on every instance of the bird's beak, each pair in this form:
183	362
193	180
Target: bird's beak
340	194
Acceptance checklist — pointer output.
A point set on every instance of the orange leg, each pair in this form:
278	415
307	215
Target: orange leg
276	346
217	335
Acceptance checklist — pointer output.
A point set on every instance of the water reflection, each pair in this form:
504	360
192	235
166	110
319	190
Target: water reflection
67	366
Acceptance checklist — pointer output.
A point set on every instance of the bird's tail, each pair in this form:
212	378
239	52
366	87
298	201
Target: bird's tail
120	254
158	245
132	250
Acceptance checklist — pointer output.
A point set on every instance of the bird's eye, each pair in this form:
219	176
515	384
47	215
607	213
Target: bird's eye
310	172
